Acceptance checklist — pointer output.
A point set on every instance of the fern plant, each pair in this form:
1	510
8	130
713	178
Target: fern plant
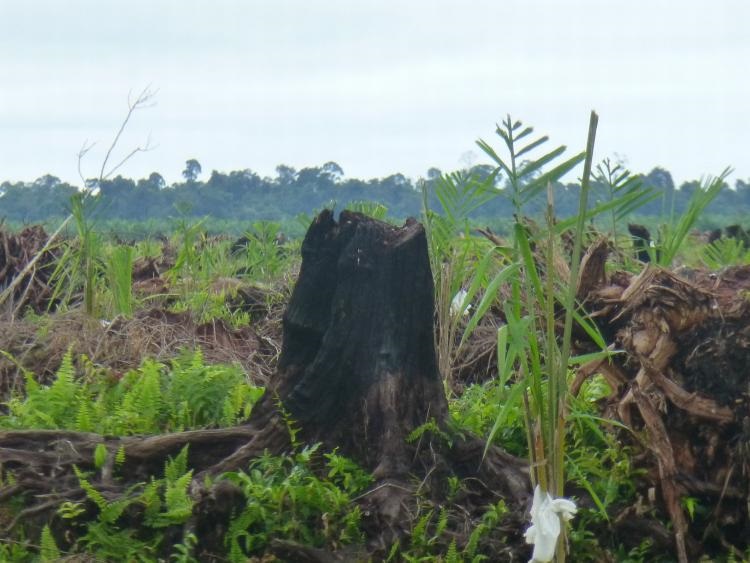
149	400
286	499
428	538
166	502
48	550
177	505
54	406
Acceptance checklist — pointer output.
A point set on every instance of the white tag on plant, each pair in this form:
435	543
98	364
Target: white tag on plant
457	305
545	523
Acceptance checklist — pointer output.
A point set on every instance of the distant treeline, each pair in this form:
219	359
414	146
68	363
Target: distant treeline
244	195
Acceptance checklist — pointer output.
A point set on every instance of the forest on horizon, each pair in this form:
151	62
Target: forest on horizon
245	195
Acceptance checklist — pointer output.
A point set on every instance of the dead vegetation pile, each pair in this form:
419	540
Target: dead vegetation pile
37	344
17	251
683	388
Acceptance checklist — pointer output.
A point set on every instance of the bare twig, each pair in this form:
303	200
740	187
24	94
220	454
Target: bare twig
144	100
85	148
130	155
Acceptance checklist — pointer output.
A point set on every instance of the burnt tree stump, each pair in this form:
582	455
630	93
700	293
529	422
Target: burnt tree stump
358	372
358	367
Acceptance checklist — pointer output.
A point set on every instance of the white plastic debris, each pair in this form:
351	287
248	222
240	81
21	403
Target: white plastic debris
457	305
545	523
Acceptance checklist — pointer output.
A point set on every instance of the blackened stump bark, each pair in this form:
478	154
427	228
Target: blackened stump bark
358	368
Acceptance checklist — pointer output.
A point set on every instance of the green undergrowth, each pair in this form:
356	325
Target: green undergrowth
286	498
293	497
601	474
432	537
155	398
311	497
304	496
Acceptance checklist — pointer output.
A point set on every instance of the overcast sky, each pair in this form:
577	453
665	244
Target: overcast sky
377	86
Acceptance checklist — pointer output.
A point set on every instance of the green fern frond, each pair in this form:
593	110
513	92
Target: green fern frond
83	417
178	503
175	468
151	500
419	532
61	397
196	361
442	523
472	545
95	496
452	556
140	411
48	550
120	456
110	513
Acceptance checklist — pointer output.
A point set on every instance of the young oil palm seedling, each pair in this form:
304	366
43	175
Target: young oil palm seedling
530	346
672	235
725	252
264	258
617	181
531	351
81	263
533	355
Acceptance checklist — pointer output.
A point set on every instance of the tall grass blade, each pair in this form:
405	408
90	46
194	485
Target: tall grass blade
120	270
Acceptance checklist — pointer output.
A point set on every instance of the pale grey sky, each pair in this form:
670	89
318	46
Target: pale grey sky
379	86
